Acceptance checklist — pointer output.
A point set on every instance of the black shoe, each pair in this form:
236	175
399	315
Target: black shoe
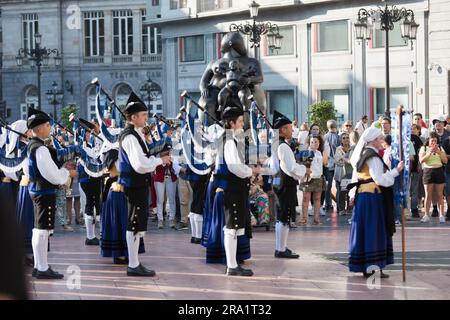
239	271
287	254
382	275
49	274
415	213
121	260
435	212
34	273
140	271
92	242
193	239
197	240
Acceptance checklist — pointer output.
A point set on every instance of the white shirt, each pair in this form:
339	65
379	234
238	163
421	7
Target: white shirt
234	162
376	171
288	163
48	168
138	160
317	165
360	127
301	138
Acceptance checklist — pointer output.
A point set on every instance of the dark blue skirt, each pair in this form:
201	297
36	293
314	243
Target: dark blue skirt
8	190
370	244
207	213
25	217
114	227
215	251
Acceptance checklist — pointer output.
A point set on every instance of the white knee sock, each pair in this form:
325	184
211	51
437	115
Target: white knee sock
230	244
193	224
198	220
284	237
34	244
278	232
40	248
90	227
133	249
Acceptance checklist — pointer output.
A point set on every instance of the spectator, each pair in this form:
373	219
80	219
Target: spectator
362	125
314	185
354	138
73	197
418	120
260	200
386	125
416	172
433	157
295	129
342	173
332	141
347	127
302	136
446	147
439	128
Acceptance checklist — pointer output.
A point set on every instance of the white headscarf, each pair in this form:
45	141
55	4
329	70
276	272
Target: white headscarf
20	126
369	135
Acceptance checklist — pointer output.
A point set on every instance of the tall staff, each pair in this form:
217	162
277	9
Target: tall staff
400	113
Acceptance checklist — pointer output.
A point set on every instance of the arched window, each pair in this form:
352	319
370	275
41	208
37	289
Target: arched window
122	94
91	95
30	99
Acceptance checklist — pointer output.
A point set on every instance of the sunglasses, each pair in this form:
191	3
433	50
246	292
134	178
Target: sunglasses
348	125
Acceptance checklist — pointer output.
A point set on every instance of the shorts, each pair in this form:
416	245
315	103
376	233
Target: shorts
434	175
314	185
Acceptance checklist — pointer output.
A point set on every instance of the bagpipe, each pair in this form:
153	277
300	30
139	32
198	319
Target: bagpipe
8	163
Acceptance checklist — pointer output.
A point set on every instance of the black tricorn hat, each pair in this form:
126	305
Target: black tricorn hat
86	124
232	112
36	118
134	104
279	120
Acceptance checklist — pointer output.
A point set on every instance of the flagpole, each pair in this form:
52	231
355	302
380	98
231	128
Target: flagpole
400	151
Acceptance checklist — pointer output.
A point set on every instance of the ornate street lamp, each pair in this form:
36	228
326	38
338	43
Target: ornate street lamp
150	91
256	30
55	97
387	16
38	57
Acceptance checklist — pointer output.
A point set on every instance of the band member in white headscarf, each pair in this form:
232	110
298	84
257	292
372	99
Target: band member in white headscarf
373	220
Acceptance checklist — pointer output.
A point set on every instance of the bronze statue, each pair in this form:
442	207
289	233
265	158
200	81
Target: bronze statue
231	79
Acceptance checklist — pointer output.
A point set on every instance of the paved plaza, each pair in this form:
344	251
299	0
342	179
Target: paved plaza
320	273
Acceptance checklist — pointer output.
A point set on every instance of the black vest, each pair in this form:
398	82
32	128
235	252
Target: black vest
128	177
38	184
287	181
236	184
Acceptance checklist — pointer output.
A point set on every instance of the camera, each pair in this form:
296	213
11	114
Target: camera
305	157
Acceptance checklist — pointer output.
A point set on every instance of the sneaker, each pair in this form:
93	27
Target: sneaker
293	225
160	224
415	213
310	212
181	226
442	219
398	223
435	212
349	221
343	213
426	218
67	228
323	212
172	224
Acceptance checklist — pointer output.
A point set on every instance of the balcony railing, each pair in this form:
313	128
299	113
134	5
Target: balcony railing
93	60
153	58
211	5
122	59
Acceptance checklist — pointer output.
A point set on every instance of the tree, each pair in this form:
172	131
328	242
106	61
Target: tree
320	112
65	113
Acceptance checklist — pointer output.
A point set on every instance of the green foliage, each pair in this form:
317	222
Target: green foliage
320	112
65	113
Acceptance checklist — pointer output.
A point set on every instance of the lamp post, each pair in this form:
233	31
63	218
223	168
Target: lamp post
387	16
55	96
38	57
150	91
257	29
